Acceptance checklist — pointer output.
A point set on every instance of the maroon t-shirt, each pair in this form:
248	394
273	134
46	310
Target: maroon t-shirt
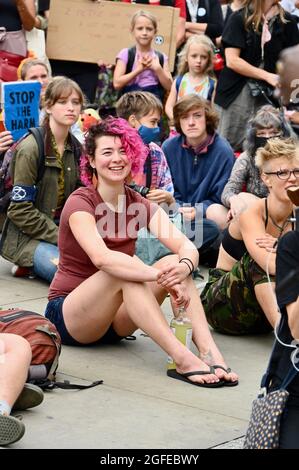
118	230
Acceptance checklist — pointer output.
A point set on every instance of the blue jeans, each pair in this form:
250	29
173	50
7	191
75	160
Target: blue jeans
45	261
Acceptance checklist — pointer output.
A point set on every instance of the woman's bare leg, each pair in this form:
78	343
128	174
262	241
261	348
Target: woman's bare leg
202	337
89	311
267	302
15	357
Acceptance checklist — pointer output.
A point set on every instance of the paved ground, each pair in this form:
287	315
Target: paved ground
138	406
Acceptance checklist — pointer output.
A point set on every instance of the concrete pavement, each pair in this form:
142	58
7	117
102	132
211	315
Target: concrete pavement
138	406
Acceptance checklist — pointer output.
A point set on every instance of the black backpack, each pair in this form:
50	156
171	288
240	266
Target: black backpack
131	58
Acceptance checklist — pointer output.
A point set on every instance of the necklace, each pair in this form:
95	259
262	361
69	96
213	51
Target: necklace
280	227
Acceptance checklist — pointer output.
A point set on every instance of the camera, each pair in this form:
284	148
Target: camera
142	190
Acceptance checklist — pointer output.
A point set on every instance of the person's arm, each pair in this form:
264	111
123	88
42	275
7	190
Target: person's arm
23	213
236	180
252	227
27	12
196	28
180	35
171	101
121	78
213	27
293	315
173	272
242	67
162	73
83	227
219	177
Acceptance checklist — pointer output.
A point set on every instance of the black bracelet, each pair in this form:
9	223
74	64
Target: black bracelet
185	262
188	259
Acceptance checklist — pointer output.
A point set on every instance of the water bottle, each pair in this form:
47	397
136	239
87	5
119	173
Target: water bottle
182	328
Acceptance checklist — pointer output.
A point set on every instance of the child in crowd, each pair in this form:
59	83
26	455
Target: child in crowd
195	72
143	111
141	67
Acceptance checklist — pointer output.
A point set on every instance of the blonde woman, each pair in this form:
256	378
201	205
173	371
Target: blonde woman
236	298
195	72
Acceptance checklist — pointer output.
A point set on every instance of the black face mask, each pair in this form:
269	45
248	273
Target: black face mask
260	141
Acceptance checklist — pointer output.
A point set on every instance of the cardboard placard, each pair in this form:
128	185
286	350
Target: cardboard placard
21	106
86	31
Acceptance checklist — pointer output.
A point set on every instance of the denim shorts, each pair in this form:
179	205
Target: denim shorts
54	314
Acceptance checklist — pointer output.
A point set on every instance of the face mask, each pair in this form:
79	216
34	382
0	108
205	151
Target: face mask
261	141
149	134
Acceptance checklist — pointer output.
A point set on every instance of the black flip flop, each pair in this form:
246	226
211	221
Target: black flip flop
226	383
174	374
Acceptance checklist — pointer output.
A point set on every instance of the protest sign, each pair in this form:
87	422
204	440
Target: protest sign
86	31
20	101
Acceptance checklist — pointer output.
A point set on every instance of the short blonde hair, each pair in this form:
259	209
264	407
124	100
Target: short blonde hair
26	65
200	40
147	15
277	148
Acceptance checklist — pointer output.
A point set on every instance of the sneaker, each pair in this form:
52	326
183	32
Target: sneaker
11	430
30	397
22	271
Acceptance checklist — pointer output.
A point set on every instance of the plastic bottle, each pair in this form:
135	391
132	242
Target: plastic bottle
182	329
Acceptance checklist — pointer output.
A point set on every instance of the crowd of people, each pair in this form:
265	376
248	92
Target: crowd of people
122	214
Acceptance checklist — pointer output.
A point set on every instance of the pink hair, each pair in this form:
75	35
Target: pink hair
131	141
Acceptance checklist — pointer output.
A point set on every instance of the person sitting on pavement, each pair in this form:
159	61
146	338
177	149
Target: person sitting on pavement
37	69
142	110
200	163
100	285
15	358
287	264
29	237
245	184
236	297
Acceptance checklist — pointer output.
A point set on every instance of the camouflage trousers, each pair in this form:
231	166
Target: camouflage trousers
229	299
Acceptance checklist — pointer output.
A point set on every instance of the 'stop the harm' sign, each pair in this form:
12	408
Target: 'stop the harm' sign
21	106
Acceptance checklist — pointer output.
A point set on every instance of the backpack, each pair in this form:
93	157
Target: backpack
45	344
40	333
5	168
131	58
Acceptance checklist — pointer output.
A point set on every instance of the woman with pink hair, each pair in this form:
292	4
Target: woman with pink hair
101	291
